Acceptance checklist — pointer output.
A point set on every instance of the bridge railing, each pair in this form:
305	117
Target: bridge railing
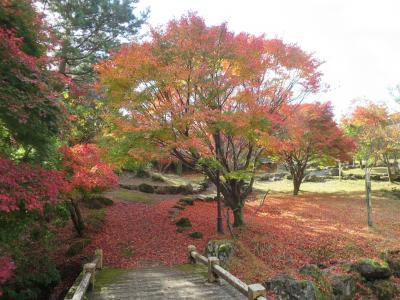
78	290
215	271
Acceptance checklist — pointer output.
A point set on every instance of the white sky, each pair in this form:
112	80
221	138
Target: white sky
359	40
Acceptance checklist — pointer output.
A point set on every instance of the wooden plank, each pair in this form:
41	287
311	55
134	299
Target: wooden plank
80	291
232	280
200	258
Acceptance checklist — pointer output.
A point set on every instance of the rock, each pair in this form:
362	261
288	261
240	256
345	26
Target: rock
392	257
77	247
343	285
223	249
313	178
333	285
376	177
146	188
183	222
372	270
157	178
128	186
333	172
196	235
383	289
185	189
286	287
141	173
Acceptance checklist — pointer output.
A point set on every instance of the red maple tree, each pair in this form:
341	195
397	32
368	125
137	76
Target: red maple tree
206	96
309	133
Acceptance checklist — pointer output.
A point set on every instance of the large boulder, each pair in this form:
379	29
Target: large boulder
384	289
286	287
371	269
146	188
392	257
343	285
223	249
335	285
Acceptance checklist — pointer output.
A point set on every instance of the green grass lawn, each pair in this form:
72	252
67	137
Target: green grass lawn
329	186
130	195
374	171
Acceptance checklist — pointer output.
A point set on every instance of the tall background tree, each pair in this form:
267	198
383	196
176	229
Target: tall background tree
208	97
310	134
87	31
374	132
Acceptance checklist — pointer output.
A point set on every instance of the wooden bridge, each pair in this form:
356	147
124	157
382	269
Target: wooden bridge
166	283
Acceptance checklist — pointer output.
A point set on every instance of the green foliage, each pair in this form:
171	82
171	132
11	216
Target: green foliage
196	235
25	237
183	222
90	29
30	115
209	162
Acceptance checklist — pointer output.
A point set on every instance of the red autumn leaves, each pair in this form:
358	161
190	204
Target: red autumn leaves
86	169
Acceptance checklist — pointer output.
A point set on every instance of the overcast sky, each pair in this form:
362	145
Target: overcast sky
359	40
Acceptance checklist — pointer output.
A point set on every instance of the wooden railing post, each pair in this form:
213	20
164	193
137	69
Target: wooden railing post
99	254
212	277
191	259
255	291
90	268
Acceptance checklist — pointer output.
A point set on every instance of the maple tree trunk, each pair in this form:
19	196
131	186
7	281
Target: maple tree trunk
297	179
76	217
238	217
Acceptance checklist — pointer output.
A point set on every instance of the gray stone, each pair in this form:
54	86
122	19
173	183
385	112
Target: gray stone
343	285
372	270
223	249
286	287
383	289
392	257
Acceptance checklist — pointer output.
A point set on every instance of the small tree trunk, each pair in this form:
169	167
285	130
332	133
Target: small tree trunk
296	185
340	171
76	217
368	195
238	217
361	166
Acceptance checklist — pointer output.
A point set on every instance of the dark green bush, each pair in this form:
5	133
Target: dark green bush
196	235
183	222
146	188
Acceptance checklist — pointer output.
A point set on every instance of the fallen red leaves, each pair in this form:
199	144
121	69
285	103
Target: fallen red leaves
137	233
284	235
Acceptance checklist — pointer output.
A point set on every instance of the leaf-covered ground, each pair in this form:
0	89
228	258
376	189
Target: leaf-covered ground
281	236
